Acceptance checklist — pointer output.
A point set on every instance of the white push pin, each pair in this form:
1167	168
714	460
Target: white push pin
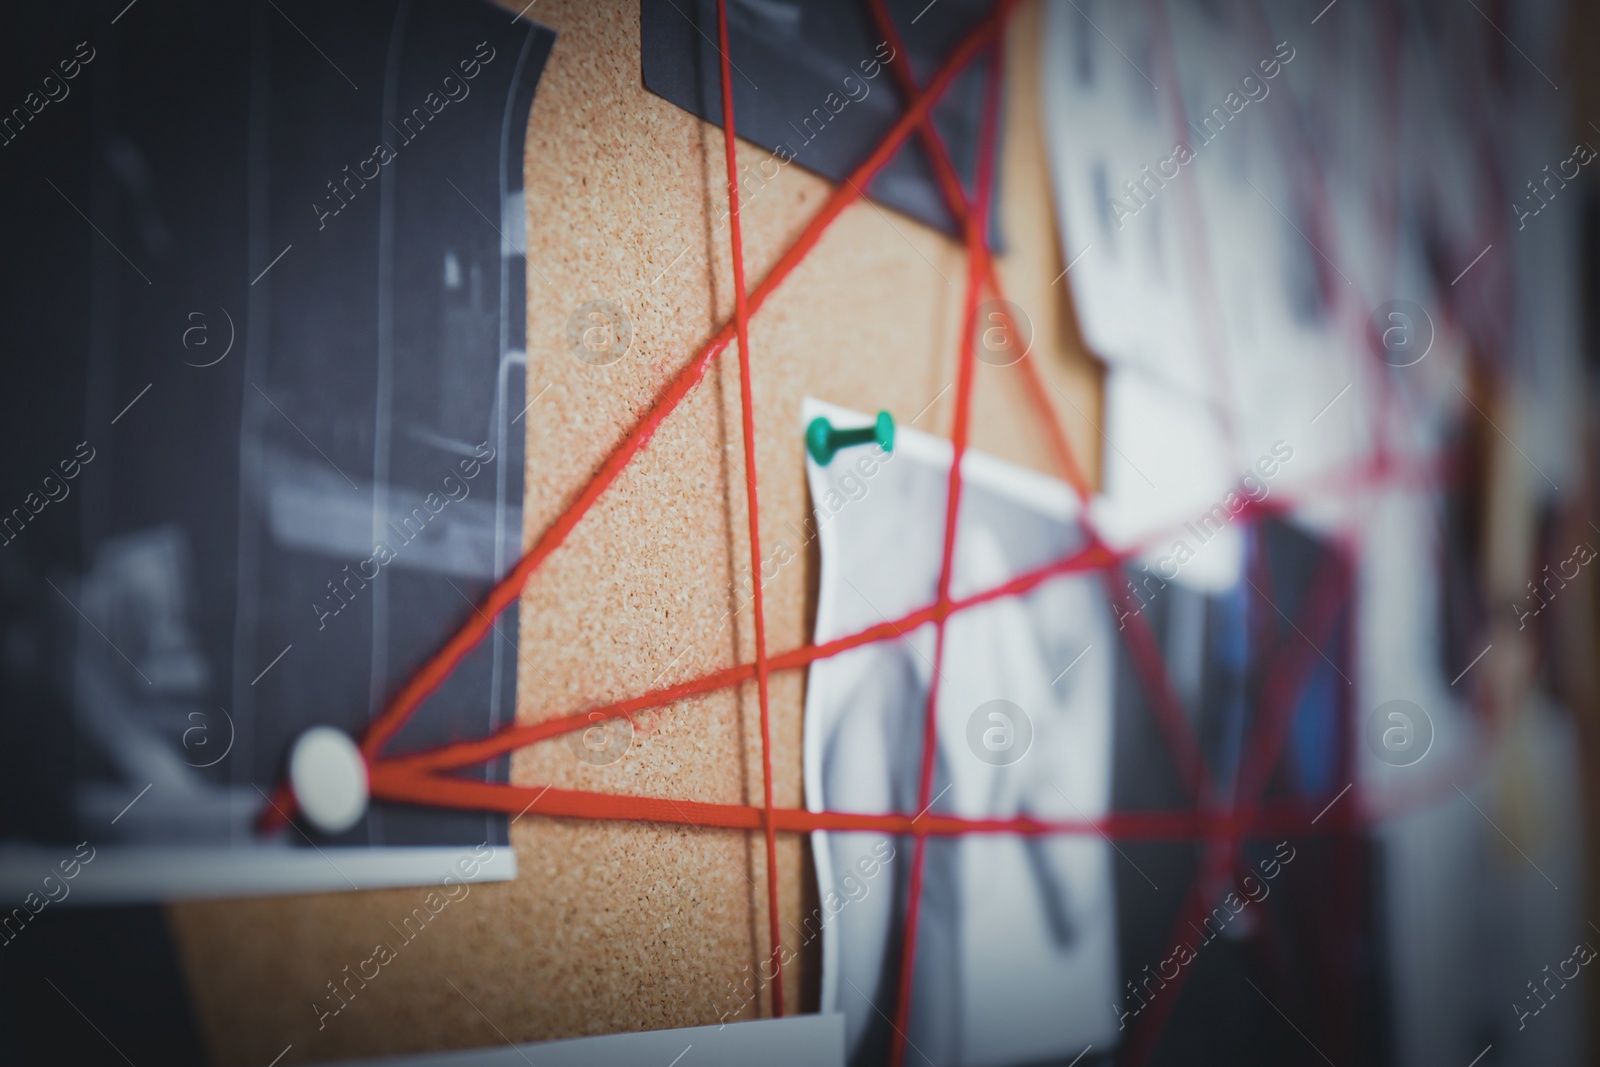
329	779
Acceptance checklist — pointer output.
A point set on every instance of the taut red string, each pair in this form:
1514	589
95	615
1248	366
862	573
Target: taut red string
955	199
977	235
398	785
741	318
506	592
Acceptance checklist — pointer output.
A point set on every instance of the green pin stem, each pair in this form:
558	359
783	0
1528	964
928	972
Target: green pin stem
823	439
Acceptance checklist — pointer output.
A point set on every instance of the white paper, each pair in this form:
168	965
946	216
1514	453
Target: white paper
795	1041
1016	957
123	874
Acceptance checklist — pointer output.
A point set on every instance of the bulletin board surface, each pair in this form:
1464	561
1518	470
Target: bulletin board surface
614	926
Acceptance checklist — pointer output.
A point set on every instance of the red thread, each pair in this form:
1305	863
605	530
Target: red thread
479	624
510	738
1291	668
977	240
955	199
741	316
1163	699
403	786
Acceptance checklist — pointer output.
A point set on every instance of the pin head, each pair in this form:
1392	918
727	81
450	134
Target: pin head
823	439
329	779
819	440
883	431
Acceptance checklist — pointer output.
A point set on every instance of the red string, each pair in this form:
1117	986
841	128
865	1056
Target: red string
1141	644
1268	736
398	785
1140	640
1096	556
1165	706
1291	671
741	317
955	199
506	592
510	738
977	235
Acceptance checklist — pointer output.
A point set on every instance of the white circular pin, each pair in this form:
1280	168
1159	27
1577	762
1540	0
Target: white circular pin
329	779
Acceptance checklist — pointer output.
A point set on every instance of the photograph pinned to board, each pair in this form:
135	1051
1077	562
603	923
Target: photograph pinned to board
1016	959
302	462
827	94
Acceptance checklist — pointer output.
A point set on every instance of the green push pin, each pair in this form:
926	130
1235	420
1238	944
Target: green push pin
823	439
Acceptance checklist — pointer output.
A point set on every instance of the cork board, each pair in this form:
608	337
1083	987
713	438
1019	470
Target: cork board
614	927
